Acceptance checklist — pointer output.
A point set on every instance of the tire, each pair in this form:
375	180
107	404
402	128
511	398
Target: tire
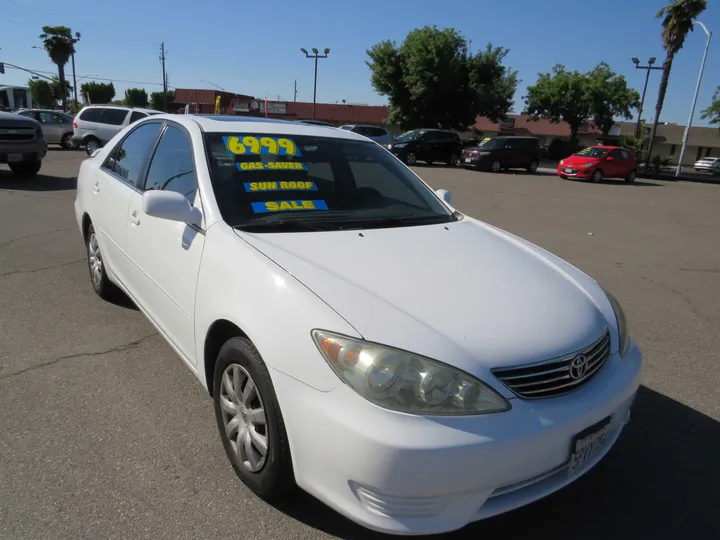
533	167
597	176
630	178
238	364
99	279
26	170
453	160
92	144
410	159
495	166
66	141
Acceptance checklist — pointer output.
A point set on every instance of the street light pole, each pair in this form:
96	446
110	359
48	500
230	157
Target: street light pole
648	69
77	38
697	90
315	56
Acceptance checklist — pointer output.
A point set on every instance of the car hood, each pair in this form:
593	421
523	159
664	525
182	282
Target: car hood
580	160
465	293
16	120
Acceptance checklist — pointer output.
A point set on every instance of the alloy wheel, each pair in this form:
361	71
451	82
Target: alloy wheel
533	166
95	261
91	146
411	158
495	166
243	416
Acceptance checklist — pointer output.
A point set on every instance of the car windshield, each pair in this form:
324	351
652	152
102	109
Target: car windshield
488	142
272	183
409	136
593	152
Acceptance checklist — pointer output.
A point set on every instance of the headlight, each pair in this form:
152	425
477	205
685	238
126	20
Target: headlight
401	145
406	382
586	165
484	153
562	161
623	334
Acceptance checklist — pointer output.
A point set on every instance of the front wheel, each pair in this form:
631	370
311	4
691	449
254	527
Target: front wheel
597	176
411	159
250	422
495	166
453	160
26	170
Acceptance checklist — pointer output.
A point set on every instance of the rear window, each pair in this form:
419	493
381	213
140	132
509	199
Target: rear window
327	182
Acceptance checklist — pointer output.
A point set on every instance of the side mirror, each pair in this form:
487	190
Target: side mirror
609	158
172	206
444	194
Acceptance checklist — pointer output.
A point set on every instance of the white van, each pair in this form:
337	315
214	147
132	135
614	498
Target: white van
95	125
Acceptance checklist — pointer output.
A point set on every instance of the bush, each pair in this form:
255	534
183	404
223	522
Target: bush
560	149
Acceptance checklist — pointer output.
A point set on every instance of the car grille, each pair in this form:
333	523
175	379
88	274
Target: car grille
556	377
570	170
11	133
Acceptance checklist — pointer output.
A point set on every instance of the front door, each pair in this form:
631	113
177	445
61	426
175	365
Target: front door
165	255
53	126
112	189
614	164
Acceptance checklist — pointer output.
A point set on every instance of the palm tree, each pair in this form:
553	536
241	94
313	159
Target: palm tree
59	44
678	19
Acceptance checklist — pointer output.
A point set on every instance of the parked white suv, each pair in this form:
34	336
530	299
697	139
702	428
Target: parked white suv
95	125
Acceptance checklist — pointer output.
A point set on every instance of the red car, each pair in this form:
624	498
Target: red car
598	162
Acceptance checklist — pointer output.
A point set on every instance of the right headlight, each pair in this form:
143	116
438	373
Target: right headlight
623	334
406	382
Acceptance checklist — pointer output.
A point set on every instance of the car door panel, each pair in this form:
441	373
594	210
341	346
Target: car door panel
165	255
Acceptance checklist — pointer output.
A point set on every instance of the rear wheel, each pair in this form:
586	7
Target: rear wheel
250	422
453	160
91	144
102	285
630	178
66	141
26	170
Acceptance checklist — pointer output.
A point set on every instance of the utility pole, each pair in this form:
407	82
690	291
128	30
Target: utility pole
77	38
295	92
316	55
162	59
648	69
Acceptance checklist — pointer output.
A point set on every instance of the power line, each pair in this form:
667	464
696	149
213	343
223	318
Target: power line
85	76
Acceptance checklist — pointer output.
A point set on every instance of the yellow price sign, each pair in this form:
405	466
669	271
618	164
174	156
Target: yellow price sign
250	144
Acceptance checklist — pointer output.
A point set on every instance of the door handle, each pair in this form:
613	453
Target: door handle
134	219
96	186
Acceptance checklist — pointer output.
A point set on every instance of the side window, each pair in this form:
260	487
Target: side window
114	117
128	159
511	144
616	154
49	118
625	154
91	115
429	137
135	116
29	114
172	167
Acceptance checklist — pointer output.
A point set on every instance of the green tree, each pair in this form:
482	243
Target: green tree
610	97
57	90
157	100
42	93
431	80
59	44
98	92
712	113
678	18
136	97
560	96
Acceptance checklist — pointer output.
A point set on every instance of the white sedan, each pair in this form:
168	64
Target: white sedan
414	368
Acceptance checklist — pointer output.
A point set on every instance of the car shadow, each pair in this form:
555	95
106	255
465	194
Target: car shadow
41	182
124	301
636	183
657	482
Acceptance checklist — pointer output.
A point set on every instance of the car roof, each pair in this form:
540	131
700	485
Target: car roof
121	107
218	123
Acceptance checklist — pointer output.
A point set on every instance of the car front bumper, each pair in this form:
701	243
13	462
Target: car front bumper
575	172
405	474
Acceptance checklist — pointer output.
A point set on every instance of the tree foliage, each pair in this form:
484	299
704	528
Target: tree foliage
712	113
41	92
157	100
97	92
677	22
573	97
57	90
59	44
431	80
136	97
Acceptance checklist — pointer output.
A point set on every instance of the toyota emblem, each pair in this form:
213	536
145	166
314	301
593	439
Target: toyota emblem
579	367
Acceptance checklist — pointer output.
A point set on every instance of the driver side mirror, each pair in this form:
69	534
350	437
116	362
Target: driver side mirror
444	194
172	206
609	158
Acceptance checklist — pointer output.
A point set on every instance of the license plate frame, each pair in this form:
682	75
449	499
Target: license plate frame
468	160
13	158
569	171
586	444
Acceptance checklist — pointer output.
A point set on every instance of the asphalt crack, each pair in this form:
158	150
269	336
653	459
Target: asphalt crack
687	300
13	240
118	348
34	270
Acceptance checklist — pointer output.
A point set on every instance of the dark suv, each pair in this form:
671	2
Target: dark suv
497	153
428	145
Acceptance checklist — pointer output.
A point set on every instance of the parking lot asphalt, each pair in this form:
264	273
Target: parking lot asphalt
105	434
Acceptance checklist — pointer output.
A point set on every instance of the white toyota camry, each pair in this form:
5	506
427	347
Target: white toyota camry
412	367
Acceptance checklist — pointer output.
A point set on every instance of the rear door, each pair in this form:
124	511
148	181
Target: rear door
165	255
113	187
110	123
52	125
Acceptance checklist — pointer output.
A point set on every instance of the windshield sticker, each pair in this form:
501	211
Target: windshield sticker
283	206
255	187
261	146
272	166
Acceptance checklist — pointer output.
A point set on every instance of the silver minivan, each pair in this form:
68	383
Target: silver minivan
95	125
57	126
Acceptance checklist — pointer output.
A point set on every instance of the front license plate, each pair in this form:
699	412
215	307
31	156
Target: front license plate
567	170
468	160
586	444
14	157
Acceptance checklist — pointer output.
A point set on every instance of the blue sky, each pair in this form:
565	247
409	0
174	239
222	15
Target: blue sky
254	47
